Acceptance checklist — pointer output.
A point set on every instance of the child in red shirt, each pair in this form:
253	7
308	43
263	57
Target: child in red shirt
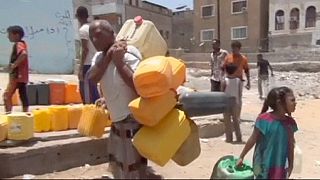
18	69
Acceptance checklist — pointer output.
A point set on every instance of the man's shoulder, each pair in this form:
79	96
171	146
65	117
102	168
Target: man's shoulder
224	51
84	28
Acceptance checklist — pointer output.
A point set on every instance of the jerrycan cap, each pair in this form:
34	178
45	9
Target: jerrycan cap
138	20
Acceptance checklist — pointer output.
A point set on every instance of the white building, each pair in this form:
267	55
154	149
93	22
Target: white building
293	23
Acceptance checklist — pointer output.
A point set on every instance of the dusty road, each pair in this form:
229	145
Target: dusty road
308	137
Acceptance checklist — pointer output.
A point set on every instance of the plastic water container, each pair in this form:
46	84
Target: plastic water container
32	93
149	111
153	77
190	149
144	35
93	121
20	126
59	121
3	127
178	72
297	167
74	115
226	168
160	143
42	120
15	98
43	92
57	91
72	94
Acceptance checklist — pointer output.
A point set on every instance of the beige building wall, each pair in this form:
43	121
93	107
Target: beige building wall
301	37
162	19
254	18
182	33
204	23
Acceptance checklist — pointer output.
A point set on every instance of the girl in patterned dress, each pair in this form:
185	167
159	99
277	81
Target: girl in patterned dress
273	136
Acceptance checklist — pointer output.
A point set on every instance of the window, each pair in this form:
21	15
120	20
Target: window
294	18
207	11
207	34
167	34
311	16
137	3
239	6
161	32
279	20
130	2
238	33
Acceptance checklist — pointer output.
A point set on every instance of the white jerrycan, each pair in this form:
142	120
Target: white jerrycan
297	164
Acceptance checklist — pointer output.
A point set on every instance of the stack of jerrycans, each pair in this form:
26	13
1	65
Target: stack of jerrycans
165	128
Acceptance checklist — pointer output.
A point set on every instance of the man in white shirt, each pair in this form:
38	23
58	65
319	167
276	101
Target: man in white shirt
216	63
114	68
88	90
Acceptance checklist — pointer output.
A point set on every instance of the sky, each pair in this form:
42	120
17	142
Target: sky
173	4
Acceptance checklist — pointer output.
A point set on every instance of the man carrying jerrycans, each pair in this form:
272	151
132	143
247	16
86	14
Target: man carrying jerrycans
114	68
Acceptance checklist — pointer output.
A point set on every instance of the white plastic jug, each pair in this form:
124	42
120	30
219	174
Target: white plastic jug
297	164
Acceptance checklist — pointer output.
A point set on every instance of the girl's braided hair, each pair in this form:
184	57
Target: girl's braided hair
275	96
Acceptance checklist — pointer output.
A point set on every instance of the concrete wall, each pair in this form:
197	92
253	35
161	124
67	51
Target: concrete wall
182	33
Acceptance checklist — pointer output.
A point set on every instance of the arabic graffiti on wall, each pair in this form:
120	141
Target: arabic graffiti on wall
50	40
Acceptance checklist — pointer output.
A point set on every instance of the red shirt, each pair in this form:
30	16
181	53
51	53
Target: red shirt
23	68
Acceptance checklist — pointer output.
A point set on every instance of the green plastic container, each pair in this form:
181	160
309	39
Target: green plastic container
226	168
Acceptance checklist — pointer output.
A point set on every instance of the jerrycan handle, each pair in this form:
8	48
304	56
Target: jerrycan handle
138	20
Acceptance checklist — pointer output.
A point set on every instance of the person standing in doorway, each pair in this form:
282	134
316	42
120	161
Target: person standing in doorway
241	62
88	89
263	75
217	57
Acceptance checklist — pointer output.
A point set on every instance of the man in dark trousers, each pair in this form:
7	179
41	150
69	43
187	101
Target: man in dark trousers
263	74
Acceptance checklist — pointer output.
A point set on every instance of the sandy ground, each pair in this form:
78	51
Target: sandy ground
212	149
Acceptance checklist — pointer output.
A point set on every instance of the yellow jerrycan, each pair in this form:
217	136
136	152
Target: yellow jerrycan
74	115
149	111
93	121
153	77
160	143
42	120
59	120
3	127
20	126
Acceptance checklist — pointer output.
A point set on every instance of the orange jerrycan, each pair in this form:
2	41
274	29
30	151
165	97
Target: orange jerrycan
59	120
93	121
42	120
144	35
15	98
57	91
153	77
149	111
72	94
20	126
190	149
161	142
74	115
3	127
178	72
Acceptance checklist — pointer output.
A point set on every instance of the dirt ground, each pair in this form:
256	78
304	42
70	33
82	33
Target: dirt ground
307	138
